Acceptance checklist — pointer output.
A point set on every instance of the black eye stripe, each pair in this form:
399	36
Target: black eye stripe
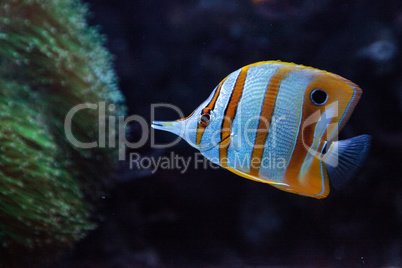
205	118
319	96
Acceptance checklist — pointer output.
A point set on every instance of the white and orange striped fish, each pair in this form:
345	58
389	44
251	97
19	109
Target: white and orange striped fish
277	123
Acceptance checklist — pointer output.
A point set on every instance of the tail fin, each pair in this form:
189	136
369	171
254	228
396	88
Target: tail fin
344	158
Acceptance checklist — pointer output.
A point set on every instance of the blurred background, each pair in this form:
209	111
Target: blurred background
176	52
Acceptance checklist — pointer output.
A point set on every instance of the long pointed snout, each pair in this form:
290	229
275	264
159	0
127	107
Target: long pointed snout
175	127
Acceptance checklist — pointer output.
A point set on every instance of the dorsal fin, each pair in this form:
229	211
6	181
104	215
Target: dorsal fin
344	158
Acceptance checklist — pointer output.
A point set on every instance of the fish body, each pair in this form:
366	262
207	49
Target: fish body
273	121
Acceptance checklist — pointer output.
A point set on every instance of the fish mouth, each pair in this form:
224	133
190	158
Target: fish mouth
163	125
157	124
175	127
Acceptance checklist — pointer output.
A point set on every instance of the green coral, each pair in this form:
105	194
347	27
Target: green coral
50	61
41	202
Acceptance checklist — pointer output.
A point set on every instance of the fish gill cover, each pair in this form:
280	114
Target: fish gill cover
50	61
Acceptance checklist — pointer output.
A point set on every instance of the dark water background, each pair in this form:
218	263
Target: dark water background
177	51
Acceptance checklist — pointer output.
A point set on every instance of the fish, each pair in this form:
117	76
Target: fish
277	123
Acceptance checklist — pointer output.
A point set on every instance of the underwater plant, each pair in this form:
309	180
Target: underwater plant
50	61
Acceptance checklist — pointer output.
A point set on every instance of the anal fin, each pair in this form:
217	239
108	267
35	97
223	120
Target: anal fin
254	178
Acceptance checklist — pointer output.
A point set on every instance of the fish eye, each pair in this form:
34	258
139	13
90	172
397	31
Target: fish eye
319	96
205	118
